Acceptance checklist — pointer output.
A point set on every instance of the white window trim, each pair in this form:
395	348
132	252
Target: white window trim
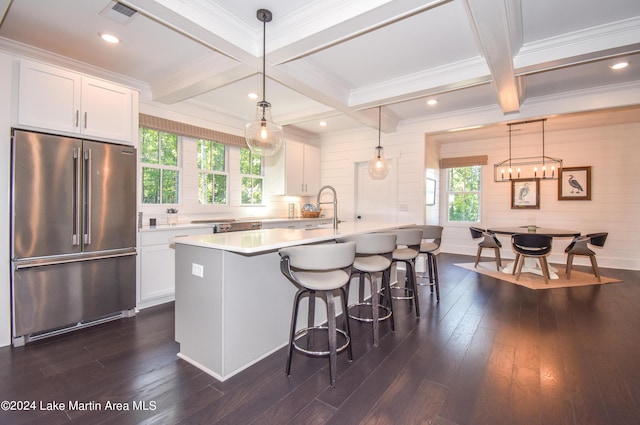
226	173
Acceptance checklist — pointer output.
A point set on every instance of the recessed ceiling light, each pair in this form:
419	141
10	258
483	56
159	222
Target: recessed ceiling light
109	38
471	127
619	65
432	102
253	95
323	123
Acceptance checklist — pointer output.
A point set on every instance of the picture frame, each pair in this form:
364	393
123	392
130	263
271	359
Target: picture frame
525	194
574	184
431	191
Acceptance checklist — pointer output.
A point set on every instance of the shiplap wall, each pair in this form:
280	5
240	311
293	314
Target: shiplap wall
341	152
613	152
432	165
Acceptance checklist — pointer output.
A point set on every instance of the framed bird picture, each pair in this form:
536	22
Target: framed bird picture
574	184
525	193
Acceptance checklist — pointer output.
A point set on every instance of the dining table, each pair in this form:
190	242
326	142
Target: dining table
531	265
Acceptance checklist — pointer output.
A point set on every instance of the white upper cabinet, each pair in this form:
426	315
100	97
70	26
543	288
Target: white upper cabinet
56	99
295	170
106	110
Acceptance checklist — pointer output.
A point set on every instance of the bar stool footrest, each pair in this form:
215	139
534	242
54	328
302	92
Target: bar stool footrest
310	335
363	312
401	293
424	276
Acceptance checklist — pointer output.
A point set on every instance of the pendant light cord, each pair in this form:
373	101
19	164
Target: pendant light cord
264	55
379	125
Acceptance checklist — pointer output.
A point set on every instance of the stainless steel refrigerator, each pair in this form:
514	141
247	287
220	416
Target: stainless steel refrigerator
73	233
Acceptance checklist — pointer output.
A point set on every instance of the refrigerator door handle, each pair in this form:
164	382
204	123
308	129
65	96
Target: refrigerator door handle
77	206
88	197
27	264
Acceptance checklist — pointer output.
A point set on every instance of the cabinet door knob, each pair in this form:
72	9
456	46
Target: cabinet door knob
77	117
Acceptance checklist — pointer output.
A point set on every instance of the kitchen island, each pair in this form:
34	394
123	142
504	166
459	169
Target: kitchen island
233	305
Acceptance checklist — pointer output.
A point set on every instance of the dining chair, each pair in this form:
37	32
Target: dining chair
580	246
490	241
533	246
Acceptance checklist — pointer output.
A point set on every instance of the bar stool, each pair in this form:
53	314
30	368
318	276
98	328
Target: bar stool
373	255
430	244
408	248
319	269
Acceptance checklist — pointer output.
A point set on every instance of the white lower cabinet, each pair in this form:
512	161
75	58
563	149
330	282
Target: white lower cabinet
307	223
156	283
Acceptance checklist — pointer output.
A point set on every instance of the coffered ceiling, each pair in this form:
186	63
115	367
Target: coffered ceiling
337	60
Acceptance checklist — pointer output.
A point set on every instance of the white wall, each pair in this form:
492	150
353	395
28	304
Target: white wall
341	152
6	65
612	152
432	171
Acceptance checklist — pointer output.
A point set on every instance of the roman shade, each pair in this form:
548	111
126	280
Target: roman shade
464	161
169	126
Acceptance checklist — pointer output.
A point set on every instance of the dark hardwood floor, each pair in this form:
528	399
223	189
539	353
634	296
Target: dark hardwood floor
489	353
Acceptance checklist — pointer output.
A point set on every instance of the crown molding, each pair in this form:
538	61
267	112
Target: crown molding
26	51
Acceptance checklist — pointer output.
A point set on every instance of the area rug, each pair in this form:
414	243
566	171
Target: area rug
532	281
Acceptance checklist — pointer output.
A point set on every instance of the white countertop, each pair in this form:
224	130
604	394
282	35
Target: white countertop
257	241
189	225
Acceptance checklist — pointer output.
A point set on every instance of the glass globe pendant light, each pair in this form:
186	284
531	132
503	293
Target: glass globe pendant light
263	136
378	166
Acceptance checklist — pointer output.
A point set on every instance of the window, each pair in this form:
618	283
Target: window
251	177
160	171
464	193
213	175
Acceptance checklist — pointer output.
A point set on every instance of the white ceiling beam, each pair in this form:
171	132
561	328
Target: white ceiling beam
321	94
309	31
200	76
204	22
582	46
497	26
466	73
4	7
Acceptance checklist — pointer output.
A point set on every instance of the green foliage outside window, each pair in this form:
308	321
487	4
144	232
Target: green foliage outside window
212	179
160	173
251	181
464	193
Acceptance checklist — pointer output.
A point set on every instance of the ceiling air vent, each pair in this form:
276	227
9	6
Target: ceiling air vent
125	10
118	12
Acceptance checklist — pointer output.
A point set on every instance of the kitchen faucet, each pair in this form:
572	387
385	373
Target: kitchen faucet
334	202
